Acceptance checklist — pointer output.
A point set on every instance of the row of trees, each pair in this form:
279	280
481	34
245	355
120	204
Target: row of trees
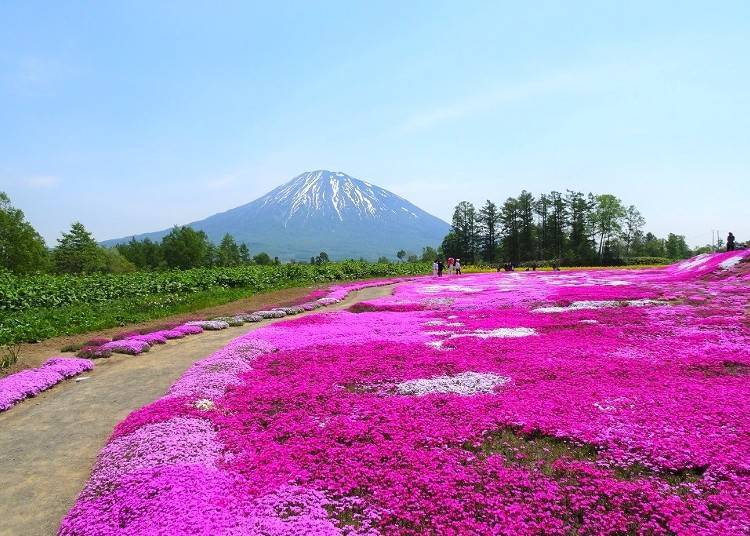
573	228
23	250
184	248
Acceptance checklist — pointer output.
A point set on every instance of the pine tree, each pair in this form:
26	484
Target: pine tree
510	220
558	225
77	252
526	235
244	253
228	252
464	229
489	222
580	245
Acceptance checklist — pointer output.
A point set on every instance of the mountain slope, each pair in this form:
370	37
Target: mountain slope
324	211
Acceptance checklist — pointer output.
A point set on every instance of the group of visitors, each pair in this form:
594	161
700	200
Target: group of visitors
453	265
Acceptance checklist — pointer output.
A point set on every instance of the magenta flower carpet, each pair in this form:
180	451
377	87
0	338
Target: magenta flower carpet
580	402
31	382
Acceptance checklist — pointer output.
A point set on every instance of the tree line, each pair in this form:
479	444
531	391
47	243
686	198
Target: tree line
23	250
571	228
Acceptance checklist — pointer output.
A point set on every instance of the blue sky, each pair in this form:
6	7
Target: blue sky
134	116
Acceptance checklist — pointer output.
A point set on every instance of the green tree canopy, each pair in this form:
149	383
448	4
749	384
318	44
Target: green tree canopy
228	252
675	247
429	254
244	253
77	252
185	247
22	249
489	223
463	243
262	258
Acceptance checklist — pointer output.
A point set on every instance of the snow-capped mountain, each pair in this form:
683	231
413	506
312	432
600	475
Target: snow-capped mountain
325	211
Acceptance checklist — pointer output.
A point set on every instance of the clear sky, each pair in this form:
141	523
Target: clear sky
134	116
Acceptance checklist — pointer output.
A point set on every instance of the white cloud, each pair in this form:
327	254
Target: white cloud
42	182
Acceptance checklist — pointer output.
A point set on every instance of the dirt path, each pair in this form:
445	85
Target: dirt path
48	444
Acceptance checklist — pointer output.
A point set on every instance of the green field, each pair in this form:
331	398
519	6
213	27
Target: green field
33	308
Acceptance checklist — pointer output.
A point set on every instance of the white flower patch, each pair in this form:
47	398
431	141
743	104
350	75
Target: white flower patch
731	261
204	404
588	321
497	333
594	304
436	289
438	302
613	404
693	263
464	384
442	323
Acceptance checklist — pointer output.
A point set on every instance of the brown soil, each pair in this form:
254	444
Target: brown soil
33	354
50	442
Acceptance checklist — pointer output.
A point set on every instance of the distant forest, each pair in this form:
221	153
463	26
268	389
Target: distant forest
570	229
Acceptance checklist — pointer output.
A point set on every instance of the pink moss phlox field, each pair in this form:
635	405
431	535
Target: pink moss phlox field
132	345
137	342
576	402
31	382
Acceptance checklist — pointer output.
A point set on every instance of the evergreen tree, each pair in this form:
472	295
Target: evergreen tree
77	252
558	225
489	223
511	225
228	252
244	254
464	230
580	245
541	208
22	249
526	239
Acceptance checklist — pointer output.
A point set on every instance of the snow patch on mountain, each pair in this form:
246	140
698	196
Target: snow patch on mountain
334	194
